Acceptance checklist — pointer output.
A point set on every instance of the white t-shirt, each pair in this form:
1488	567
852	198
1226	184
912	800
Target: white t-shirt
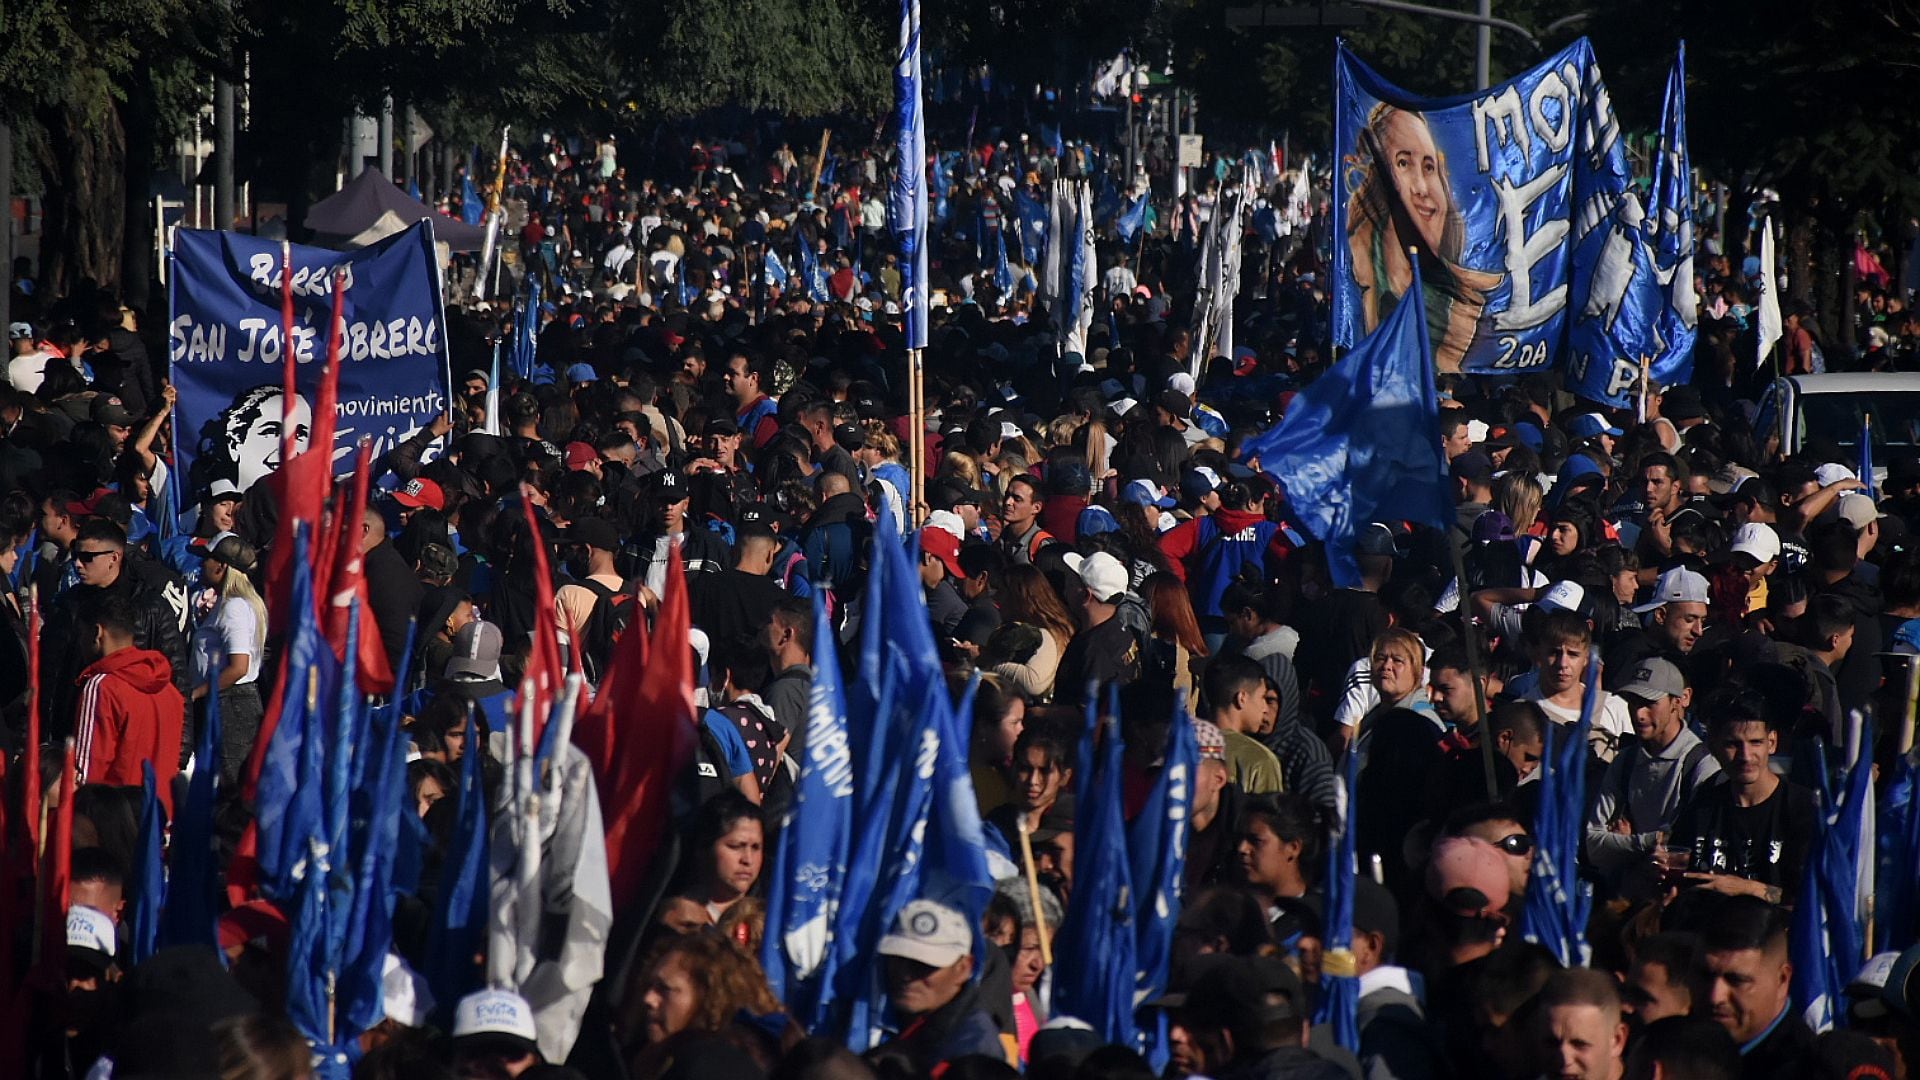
26	371
232	630
1611	719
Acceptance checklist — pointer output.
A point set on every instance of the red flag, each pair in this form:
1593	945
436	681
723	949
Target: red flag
30	761
544	671
348	582
304	481
639	734
55	878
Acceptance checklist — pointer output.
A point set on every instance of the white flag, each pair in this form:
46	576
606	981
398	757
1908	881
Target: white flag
1769	305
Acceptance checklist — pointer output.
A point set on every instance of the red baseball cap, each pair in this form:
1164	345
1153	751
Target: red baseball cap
580	455
420	492
944	546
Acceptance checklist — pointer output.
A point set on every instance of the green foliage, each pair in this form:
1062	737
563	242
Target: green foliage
788	56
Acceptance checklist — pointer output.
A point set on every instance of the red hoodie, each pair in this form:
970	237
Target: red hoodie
129	713
1180	543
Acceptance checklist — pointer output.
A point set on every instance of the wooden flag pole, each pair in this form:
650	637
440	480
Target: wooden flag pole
1033	891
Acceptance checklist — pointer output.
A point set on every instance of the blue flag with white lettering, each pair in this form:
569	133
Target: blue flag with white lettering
1157	838
1094	973
1362	442
907	199
809	865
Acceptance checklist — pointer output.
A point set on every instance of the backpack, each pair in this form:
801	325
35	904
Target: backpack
612	610
1694	756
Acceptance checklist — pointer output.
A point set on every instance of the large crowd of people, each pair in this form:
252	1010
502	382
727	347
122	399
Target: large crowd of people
1087	521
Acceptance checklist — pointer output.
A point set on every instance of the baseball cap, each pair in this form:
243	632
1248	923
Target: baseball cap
90	935
1564	596
222	489
1468	876
1677	586
1587	425
669	485
1242	992
582	373
1375	538
942	545
1095	520
1857	510
19	330
946	493
421	492
595	533
1756	538
404	993
1472	465
1681	403
496	1015
720	427
929	932
1654	678
1906	638
1831	473
1179	405
1143	493
949	522
226	548
1375	911
109	410
1213	744
580	455
476	651
1103	575
1196	483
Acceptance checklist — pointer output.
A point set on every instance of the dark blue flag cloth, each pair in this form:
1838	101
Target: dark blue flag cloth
193	892
318	836
286	804
149	873
1132	220
1362	442
1897	880
1826	942
1339	1006
459	923
1866	456
1094	972
1031	217
809	865
472	209
1557	902
376	804
413	188
1002	273
907	198
1157	838
525	356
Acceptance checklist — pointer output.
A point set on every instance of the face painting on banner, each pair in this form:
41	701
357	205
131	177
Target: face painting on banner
1510	196
224	344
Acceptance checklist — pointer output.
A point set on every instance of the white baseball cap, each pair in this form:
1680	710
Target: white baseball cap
1182	382
1564	596
1756	538
18	331
950	521
1103	575
404	994
495	1014
929	932
1857	510
1677	586
1831	473
91	929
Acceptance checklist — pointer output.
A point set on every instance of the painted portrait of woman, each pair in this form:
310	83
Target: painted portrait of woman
242	444
1397	174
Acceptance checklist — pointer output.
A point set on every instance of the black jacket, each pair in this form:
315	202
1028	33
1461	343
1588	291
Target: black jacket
395	592
66	641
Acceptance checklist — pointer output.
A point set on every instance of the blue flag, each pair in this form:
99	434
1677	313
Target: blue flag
413	188
193	893
811	271
319	877
459	923
149	873
1826	942
1866	455
287	802
377	801
1362	442
1094	972
907	199
472	209
1002	273
774	270
1339	1006
1132	220
1557	902
1031	217
525	355
809	865
1157	838
1897	879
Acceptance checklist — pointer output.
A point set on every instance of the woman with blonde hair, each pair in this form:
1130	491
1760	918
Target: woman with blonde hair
1397	671
228	644
1518	496
1026	649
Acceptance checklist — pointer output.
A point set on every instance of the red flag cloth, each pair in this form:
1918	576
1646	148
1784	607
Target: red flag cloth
348	582
304	481
544	672
55	878
639	734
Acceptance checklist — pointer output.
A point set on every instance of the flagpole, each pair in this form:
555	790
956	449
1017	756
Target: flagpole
916	434
1643	388
819	162
1913	698
1033	892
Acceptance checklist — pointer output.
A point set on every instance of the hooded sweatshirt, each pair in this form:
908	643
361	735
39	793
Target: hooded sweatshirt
129	713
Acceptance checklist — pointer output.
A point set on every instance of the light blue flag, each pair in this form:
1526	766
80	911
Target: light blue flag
1827	940
1002	273
907	201
812	272
1557	902
472	209
1866	455
1157	838
1339	1006
1079	265
809	866
774	271
1132	220
1094	973
1362	442
149	872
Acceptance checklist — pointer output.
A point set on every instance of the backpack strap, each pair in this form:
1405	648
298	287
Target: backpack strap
1688	766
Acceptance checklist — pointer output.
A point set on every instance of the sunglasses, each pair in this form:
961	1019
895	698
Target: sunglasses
89	556
1517	844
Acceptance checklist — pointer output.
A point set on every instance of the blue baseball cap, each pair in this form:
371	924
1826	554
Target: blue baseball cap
1588	425
582	373
1143	493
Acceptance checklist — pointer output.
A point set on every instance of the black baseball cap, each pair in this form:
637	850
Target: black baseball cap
595	533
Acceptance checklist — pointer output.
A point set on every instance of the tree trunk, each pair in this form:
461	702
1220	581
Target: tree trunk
139	122
83	160
1799	245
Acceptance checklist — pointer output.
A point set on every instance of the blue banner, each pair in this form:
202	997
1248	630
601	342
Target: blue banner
224	343
1511	195
907	199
